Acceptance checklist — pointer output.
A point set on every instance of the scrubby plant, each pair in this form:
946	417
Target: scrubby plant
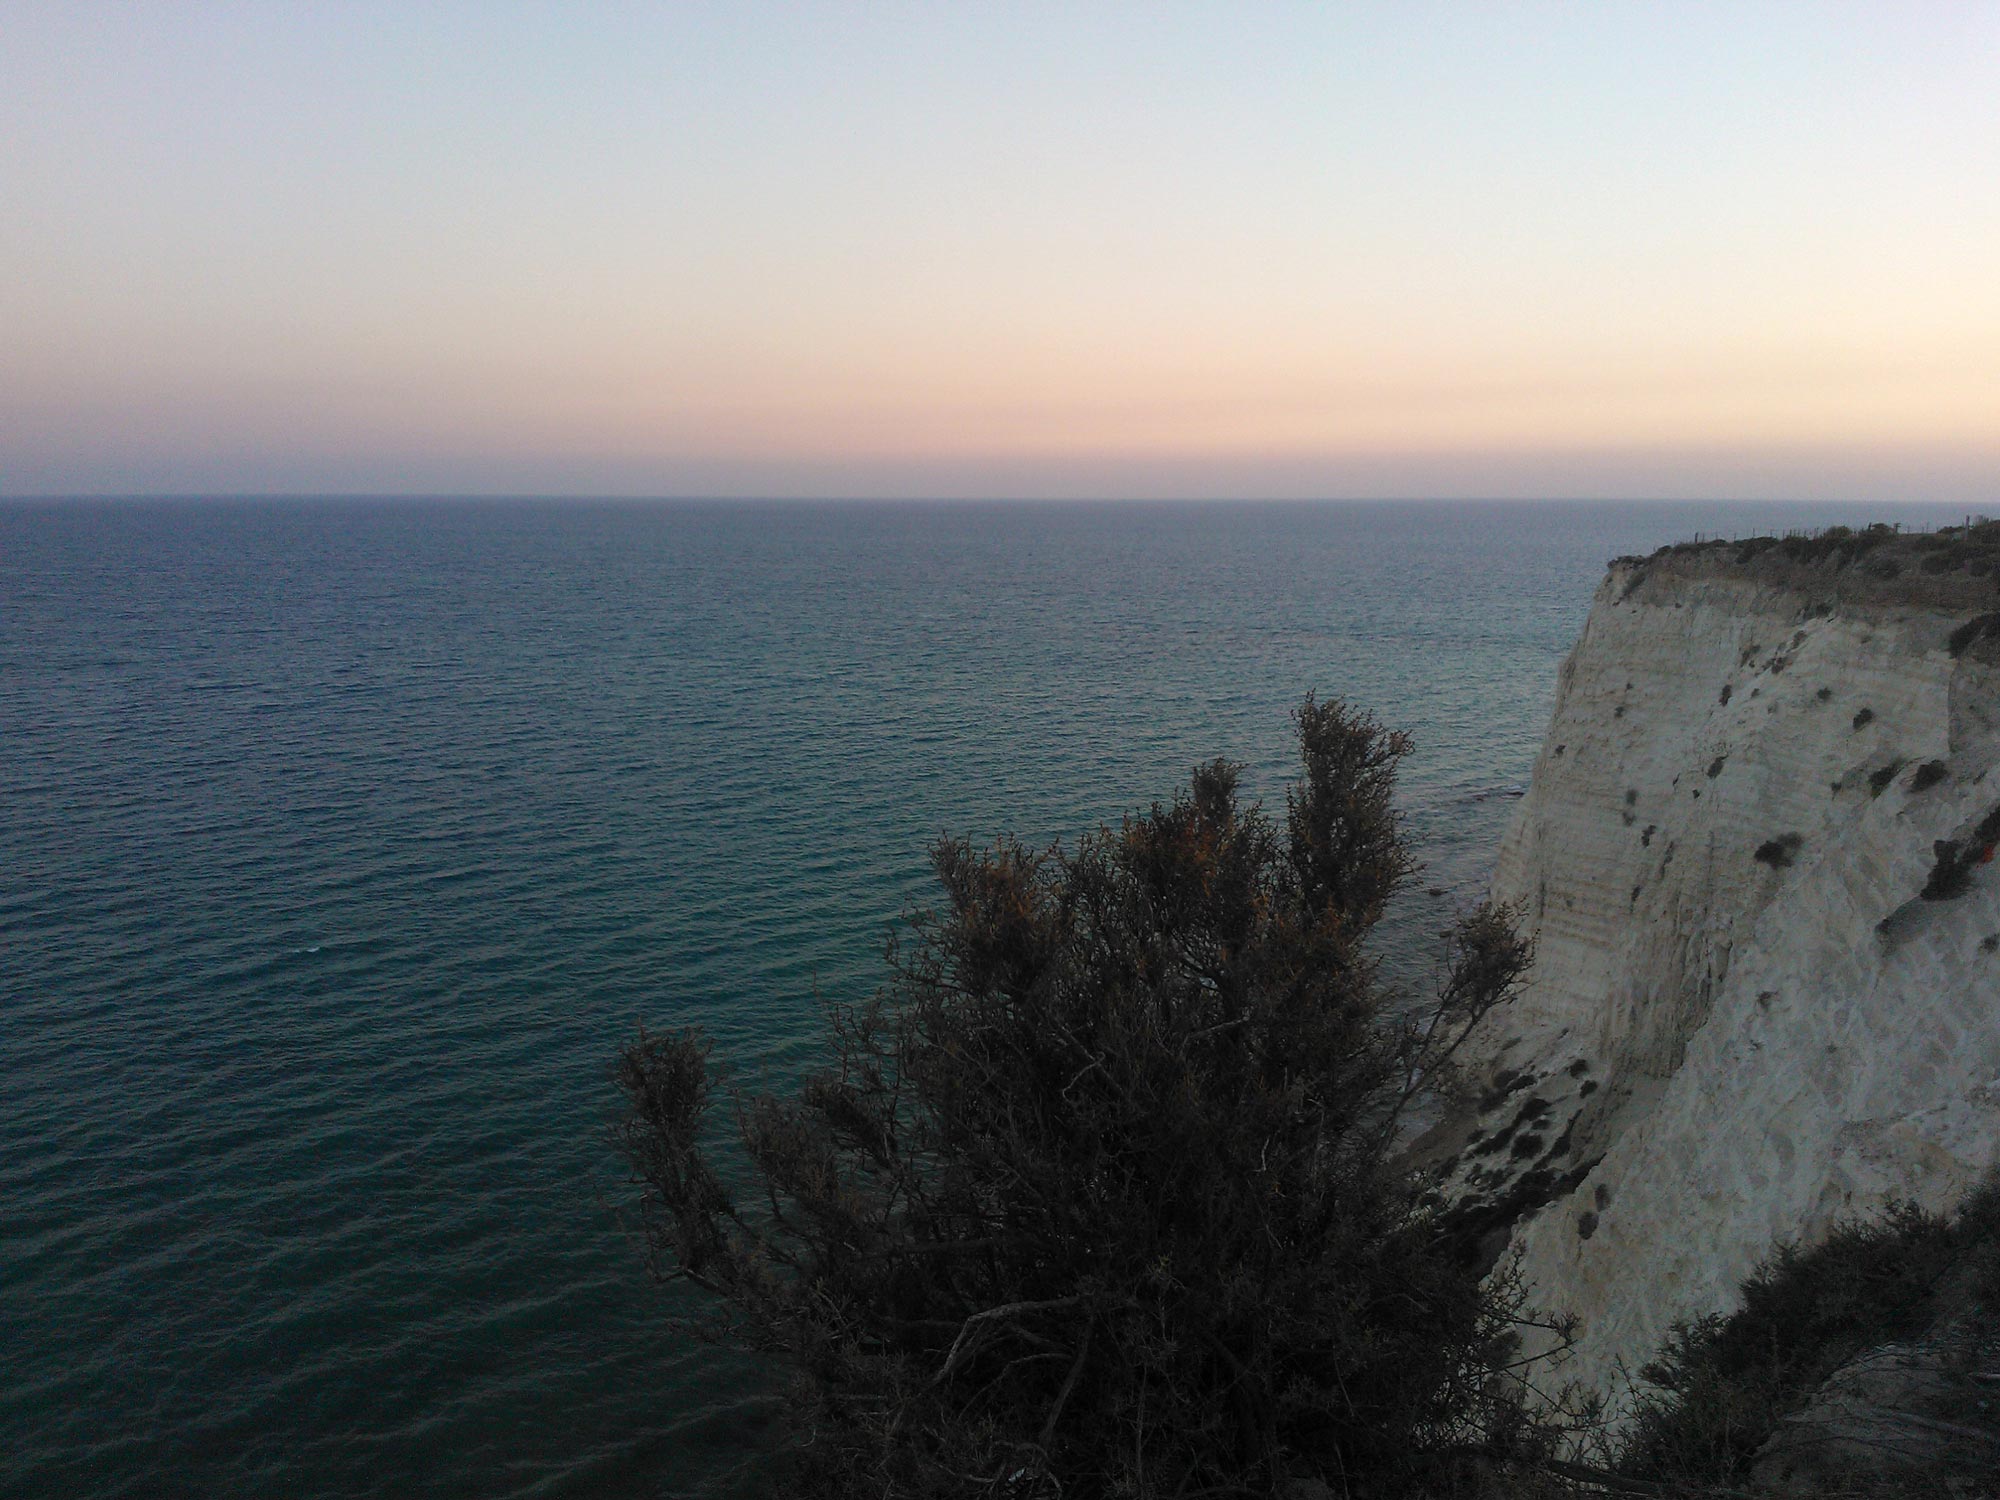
1928	775
1972	630
1839	545
1779	852
1098	1195
1954	860
1881	776
1720	1385
1952	569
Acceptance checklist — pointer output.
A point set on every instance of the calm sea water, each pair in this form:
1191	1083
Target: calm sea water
342	843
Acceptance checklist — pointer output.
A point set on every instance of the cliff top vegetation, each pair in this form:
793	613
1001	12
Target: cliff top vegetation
1955	569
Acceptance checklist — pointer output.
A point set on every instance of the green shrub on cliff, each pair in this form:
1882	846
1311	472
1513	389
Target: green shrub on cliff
1096	1196
1721	1386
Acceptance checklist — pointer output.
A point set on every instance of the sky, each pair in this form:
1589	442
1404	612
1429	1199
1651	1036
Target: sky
970	250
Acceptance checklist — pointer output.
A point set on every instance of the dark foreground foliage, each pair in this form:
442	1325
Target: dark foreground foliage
1096	1197
1722	1385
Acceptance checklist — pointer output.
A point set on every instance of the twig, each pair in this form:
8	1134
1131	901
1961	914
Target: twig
1005	1310
1062	1396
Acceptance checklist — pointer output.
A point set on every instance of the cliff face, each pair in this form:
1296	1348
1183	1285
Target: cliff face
1745	1019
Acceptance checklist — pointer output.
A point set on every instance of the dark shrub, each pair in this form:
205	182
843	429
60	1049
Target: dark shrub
1951	871
1721	1385
1955	859
1978	627
1096	1197
1779	852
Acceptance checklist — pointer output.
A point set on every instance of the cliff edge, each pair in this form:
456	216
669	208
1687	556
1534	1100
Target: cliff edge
1755	859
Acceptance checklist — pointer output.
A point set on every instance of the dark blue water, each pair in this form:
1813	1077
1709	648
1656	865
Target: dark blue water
341	844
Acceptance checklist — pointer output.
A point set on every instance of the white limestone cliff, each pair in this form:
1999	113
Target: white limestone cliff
1744	1020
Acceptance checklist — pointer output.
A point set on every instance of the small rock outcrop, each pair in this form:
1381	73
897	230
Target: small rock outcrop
1927	1408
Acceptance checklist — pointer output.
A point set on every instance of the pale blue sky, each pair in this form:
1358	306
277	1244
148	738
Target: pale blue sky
985	250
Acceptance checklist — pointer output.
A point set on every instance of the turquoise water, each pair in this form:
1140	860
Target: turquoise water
342	843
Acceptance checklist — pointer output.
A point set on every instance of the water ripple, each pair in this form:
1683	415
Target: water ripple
341	845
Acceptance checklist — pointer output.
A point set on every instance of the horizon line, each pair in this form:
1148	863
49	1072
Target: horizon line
584	496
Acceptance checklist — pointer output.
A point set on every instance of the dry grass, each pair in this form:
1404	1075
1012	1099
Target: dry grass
1955	571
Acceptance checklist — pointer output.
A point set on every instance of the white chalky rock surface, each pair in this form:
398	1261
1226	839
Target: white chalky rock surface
1715	1052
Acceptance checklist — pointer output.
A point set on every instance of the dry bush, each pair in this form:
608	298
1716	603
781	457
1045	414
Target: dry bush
1720	1386
1098	1195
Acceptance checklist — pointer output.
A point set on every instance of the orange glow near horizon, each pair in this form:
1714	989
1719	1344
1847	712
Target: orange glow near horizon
1005	250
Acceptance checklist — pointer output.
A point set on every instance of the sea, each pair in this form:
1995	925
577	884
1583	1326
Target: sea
343	843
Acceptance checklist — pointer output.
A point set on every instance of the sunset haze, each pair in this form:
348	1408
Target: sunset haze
1024	250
